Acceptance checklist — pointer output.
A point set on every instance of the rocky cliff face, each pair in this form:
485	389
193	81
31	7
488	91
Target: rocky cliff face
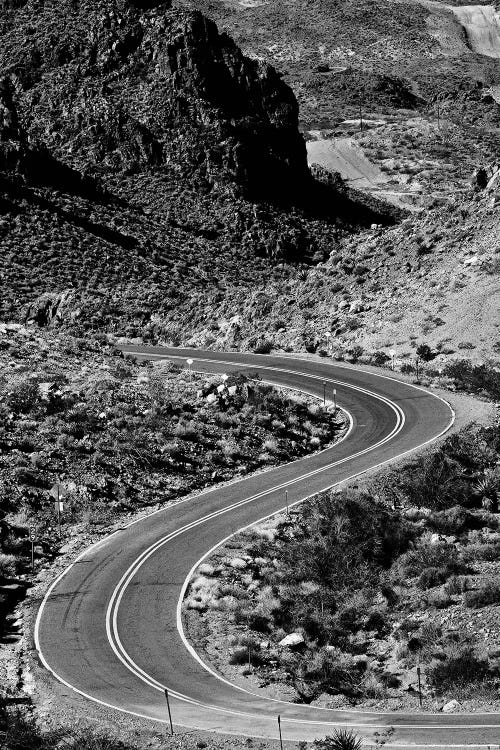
149	171
122	87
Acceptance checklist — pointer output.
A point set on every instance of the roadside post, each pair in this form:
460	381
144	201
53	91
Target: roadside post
286	501
58	492
324	392
169	712
32	540
419	681
334	401
189	362
392	354
279	728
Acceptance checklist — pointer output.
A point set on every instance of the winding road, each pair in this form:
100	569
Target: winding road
109	627
482	26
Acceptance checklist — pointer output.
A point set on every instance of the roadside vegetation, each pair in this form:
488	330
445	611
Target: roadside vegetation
340	601
19	731
120	436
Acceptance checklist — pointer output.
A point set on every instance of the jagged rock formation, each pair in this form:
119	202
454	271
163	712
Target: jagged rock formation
132	86
149	167
50	308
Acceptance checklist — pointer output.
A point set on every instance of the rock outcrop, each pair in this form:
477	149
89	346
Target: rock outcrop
50	309
142	86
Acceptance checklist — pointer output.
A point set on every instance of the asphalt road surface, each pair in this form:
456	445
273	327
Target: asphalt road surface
109	627
482	24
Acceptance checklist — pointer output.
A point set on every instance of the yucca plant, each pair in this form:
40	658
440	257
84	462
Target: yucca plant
488	489
342	739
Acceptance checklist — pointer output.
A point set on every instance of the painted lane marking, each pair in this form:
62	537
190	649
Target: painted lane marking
52	587
112	612
117	595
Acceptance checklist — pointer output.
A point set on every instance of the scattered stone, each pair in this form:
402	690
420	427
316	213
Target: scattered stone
451	706
294	640
238	563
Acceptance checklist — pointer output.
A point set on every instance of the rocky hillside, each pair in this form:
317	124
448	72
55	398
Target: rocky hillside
116	87
153	184
122	437
135	142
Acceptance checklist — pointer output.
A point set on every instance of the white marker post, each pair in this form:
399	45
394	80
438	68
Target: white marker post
286	501
189	362
32	540
392	355
58	491
279	728
169	713
334	401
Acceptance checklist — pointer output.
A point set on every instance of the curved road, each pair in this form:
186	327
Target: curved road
109	626
482	25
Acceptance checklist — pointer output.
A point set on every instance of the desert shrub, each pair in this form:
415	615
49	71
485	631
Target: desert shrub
482	378
439	599
259	621
351	615
488	594
351	537
185	432
331	668
462	667
457	585
17	732
377	620
407	368
424	556
246	653
488	489
356	352
481	551
475	448
263	346
434	481
7	565
341	739
379	358
424	352
23	397
428	637
433	577
372	686
454	520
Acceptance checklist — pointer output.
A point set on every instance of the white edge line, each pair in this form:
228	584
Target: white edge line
283	355
124	581
131	523
132	570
